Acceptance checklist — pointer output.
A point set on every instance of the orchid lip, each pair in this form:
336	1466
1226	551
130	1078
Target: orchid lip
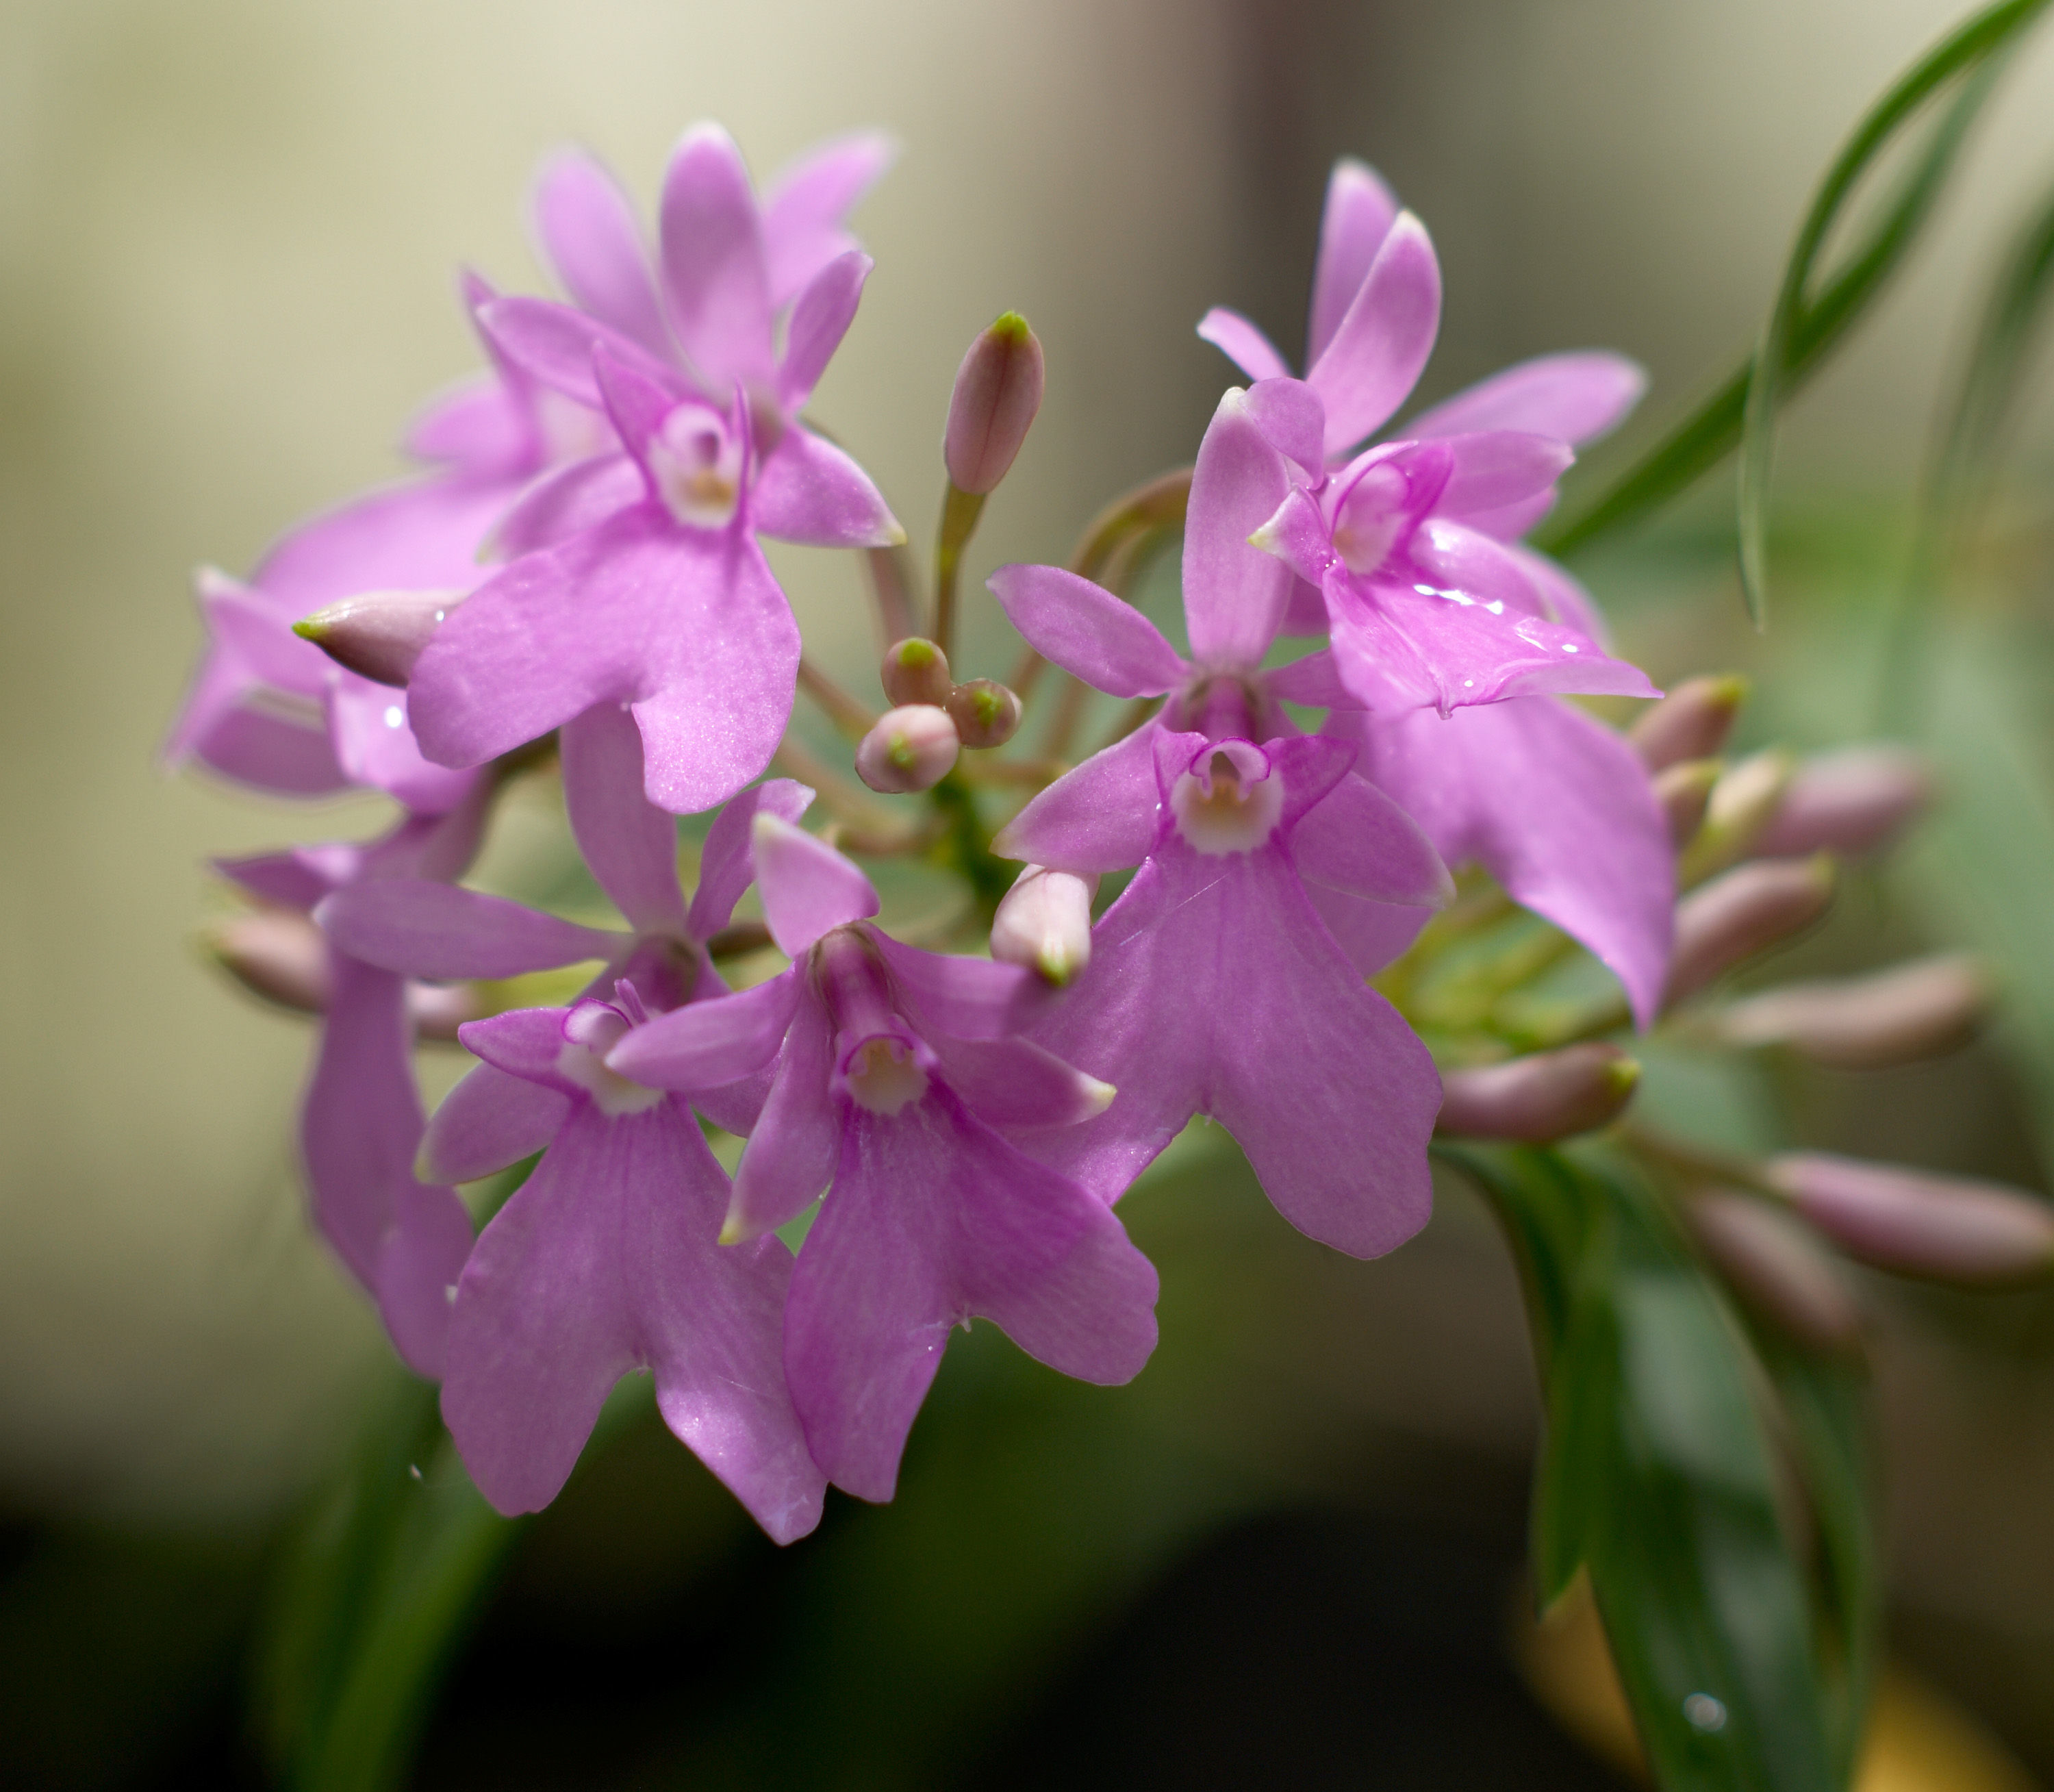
1229	800
696	464
591	1030
882	1072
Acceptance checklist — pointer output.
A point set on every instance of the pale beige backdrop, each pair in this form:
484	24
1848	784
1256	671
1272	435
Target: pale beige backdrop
227	236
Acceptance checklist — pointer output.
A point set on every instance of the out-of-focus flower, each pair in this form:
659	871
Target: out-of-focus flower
900	1080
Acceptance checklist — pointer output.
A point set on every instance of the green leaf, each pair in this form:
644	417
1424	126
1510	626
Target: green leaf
1656	1477
1805	328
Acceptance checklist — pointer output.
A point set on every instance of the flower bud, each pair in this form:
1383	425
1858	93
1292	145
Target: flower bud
1045	922
915	671
1746	912
911	748
1776	1267
1854	801
1539	1099
275	954
1896	1016
1976	1235
985	713
997	391
379	634
1691	723
1740	805
1684	790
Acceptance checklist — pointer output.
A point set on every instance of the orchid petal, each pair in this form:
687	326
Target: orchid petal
490	1120
630	844
1087	631
727	865
790	1156
806	208
589	234
1233	593
1576	397
1359	214
1378	349
568	500
965	998
708	1045
1104	816
935	1218
524	1043
807	888
1243	343
260	636
418	1266
1015	1086
715	279
819	319
1291	417
374	747
1356	841
555	343
1313	681
271	752
476	427
604	1261
1299	536
418	536
437	930
1496	468
1563	599
1558	808
812	493
1371	934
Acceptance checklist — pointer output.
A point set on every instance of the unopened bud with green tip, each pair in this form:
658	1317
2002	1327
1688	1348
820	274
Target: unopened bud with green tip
1897	1016
1777	1269
1743	803
1951	1229
911	748
1747	911
1854	802
1691	723
1683	791
379	634
915	671
998	392
1538	1099
275	954
1043	922
985	713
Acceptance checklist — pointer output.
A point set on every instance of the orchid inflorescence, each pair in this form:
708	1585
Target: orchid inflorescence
1374	692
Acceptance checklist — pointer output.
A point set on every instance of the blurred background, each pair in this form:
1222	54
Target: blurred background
228	235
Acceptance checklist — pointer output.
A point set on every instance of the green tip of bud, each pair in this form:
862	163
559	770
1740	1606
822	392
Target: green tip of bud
1621	1077
1731	689
1053	964
1010	328
732	1231
310	628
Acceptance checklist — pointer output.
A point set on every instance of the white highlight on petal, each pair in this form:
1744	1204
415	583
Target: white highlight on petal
1229	802
395	716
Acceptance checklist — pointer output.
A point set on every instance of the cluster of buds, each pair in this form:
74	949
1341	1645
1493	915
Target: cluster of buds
913	746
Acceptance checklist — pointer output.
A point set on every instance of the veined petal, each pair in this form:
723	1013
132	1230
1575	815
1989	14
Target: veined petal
1381	344
1556	806
966	997
569	500
1358	216
490	1120
1496	468
806	208
807	888
1290	415
272	753
810	492
588	233
819	319
602	1261
727	866
631	845
1102	816
524	1043
554	343
1296	534
1356	841
439	930
1234	592
418	1266
935	1218
1371	934
1313	681
1563	599
1576	397
716	282
1015	1086
707	1044
1243	343
790	1156
1087	631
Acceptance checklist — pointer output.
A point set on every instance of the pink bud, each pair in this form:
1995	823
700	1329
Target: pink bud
1776	1267
379	634
1684	790
1044	922
985	713
997	391
1691	723
1746	912
1854	801
275	954
1978	1235
911	748
915	671
1908	1012
1539	1099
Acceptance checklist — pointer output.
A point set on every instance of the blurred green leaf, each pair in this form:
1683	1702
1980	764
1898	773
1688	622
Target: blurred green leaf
1805	329
1656	1477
